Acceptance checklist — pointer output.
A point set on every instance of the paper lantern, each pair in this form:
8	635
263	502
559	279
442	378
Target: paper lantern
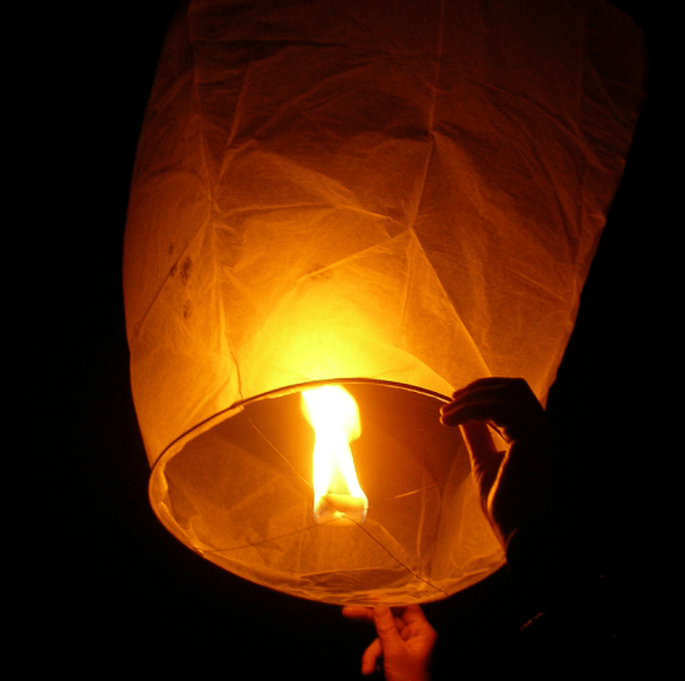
396	197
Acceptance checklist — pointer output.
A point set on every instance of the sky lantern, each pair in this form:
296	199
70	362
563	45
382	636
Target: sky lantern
340	212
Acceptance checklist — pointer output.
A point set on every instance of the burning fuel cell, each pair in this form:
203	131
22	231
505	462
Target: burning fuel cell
334	416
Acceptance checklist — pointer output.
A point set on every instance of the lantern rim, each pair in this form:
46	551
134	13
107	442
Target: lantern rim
239	405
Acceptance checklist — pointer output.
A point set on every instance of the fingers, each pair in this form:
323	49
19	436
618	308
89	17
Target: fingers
387	630
361	613
371	658
413	613
484	400
404	644
401	615
492	383
388	639
417	628
508	403
358	613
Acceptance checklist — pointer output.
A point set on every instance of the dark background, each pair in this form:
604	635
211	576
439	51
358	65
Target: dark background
109	587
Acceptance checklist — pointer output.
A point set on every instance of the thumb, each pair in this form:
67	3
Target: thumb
485	459
386	629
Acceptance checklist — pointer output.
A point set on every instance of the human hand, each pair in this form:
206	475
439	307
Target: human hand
516	485
519	487
404	645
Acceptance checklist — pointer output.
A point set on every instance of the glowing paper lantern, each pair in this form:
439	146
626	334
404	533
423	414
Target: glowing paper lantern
396	197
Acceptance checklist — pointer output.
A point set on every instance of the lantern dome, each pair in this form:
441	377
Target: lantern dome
398	198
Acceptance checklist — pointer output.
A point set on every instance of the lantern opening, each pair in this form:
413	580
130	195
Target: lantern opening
334	416
424	536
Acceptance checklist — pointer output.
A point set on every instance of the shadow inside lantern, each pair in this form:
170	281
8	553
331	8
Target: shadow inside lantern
240	494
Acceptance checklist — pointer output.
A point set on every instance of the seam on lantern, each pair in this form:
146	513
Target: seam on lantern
212	209
417	210
414	250
222	310
398	561
223	325
418	490
431	116
380	245
438	65
422	519
314	527
273	446
236	114
410	272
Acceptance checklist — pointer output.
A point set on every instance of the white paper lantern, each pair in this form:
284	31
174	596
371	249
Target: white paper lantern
398	196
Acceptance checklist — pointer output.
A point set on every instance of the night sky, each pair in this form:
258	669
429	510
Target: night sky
113	589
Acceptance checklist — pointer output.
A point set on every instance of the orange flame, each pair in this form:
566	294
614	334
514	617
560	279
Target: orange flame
334	416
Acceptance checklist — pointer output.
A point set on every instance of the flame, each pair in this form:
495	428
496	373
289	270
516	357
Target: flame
334	416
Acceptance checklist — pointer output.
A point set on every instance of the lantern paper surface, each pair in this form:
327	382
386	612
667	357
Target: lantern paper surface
399	192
